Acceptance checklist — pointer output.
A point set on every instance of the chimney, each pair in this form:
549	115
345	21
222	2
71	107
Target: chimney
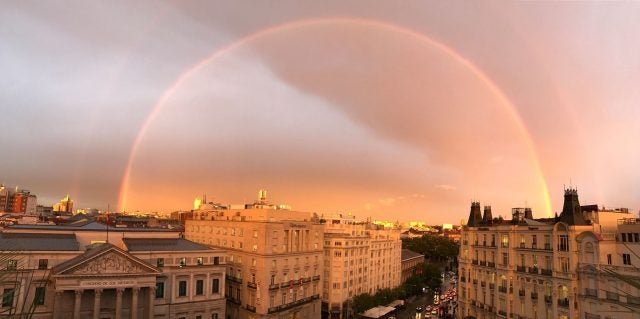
475	216
528	214
487	218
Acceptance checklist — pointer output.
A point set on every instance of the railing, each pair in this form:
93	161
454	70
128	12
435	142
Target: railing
591	316
534	296
252	285
251	308
521	268
613	296
533	270
234	279
483	284
502	313
491	264
475	281
591	292
547	246
534	246
492	286
502	289
563	302
274	286
483	263
474	261
547	299
521	293
493	244
292	304
546	272
315	278
522	245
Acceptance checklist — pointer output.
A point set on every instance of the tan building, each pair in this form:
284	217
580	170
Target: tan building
410	262
360	257
67	272
526	267
65	205
274	258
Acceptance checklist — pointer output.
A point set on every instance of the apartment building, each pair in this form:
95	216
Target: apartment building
85	272
359	257
526	267
274	257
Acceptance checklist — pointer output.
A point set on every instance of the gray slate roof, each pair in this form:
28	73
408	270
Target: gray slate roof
161	244
92	225
409	254
38	241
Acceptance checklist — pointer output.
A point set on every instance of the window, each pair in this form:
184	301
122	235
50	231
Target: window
159	290
38	298
214	316
284	298
254	247
534	241
216	260
564	264
182	288
255	234
563	242
608	259
624	237
215	286
160	262
7	297
199	287
626	259
199	261
505	241
198	317
43	263
12	264
182	262
505	258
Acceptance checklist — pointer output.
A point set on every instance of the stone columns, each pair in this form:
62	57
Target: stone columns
96	303
77	303
134	302
119	303
57	304
152	297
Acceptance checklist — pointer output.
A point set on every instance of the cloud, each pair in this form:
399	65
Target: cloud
446	187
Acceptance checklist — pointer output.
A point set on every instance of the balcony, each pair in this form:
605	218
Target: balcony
292	304
502	313
613	296
251	308
502	289
510	290
547	299
492	286
521	268
591	292
491	264
315	278
533	270
563	302
474	261
546	272
591	316
274	286
534	296
483	263
234	300
234	279
534	245
522	245
252	285
521	293
547	246
475	281
483	284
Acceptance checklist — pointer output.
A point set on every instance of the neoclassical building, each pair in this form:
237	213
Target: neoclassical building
546	267
75	272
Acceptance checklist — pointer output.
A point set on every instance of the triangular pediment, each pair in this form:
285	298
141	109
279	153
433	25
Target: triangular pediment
107	260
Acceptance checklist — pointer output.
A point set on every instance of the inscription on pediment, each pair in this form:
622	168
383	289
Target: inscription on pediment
109	264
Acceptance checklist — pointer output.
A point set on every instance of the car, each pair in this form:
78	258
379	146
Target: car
434	312
419	309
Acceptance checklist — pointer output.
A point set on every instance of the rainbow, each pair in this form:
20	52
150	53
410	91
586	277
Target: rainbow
167	94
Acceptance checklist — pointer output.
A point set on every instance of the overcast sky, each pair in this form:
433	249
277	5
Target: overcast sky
396	110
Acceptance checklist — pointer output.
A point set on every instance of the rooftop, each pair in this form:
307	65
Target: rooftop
409	254
162	244
38	242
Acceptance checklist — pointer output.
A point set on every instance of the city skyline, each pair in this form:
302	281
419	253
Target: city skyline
398	112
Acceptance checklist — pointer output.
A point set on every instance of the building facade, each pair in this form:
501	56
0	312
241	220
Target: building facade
359	257
530	268
274	257
65	273
410	263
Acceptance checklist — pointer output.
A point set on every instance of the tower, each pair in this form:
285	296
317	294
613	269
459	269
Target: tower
475	216
571	212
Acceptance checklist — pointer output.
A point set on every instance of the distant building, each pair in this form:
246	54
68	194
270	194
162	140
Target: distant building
17	200
274	262
411	260
64	206
73	272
